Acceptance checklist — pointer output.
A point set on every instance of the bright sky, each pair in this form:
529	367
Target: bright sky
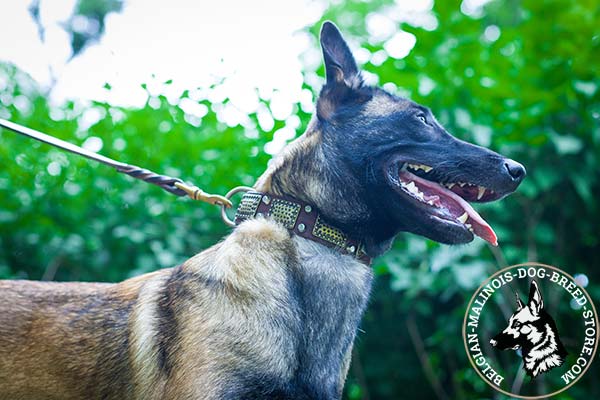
252	44
185	41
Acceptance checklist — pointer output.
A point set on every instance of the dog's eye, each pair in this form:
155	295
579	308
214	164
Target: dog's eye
423	119
517	325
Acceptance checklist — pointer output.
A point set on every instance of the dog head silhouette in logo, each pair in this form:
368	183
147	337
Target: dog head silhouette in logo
531	329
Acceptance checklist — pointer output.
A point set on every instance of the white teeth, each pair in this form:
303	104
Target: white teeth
417	167
411	187
469	227
461	184
480	192
415	192
450	185
463	218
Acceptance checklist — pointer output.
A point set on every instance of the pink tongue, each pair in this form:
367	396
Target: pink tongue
478	224
480	227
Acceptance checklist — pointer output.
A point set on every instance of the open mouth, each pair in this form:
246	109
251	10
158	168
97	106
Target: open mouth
445	201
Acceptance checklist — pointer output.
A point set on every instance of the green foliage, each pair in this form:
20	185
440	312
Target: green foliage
531	94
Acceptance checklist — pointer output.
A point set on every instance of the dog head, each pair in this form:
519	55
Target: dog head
376	164
526	326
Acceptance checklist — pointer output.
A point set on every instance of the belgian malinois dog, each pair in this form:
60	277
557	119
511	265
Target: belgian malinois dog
532	330
271	312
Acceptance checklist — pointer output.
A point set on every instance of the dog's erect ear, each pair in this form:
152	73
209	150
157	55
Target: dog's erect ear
520	304
343	78
535	303
340	65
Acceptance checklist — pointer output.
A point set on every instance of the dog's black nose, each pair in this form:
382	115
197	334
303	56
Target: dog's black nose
515	170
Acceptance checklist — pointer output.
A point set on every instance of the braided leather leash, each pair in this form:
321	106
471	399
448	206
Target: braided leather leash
172	185
298	217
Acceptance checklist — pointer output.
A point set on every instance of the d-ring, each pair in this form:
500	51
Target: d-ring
228	196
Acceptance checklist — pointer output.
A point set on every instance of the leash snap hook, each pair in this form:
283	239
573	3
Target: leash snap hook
195	193
228	221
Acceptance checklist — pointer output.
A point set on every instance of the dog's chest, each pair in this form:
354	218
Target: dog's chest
309	338
332	292
281	323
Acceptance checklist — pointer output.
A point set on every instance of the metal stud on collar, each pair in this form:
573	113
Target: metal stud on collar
299	218
229	222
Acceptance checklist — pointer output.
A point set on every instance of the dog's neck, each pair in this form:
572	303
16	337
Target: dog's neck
335	289
303	171
301	219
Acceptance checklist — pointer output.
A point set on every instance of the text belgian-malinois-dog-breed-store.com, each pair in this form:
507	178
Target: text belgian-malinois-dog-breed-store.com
270	312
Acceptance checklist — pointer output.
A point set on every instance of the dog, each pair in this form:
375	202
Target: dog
532	330
271	312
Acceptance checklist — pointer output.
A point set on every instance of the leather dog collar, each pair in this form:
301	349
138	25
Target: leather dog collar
301	219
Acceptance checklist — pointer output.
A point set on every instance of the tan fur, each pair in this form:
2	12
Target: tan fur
254	288
382	104
302	147
45	354
47	348
309	181
147	379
